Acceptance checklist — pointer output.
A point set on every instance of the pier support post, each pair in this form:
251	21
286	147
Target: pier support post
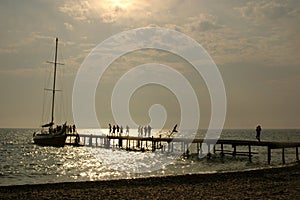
269	155
200	151
222	150
234	151
120	143
153	144
127	143
249	147
208	151
91	141
187	152
283	158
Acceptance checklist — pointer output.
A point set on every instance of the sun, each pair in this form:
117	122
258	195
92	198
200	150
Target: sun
123	4
113	10
113	4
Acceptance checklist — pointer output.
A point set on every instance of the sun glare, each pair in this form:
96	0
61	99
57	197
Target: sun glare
112	10
124	4
113	4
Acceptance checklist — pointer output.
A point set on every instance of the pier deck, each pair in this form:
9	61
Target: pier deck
166	144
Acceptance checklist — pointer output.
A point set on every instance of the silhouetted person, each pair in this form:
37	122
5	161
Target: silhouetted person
258	130
127	129
118	129
139	131
114	129
145	131
149	130
74	128
121	130
174	130
109	125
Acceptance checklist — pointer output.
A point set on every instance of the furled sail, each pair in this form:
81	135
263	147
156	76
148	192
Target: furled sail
47	125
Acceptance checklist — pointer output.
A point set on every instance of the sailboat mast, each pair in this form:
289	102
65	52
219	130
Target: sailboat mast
54	82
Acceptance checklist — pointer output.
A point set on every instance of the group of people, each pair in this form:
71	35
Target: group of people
144	131
116	129
71	129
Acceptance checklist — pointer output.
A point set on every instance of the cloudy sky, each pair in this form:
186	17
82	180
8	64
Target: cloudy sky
255	45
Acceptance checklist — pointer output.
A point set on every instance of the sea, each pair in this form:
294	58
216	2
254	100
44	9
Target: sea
22	162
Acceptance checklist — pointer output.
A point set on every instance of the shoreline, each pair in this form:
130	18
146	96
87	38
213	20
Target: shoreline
277	182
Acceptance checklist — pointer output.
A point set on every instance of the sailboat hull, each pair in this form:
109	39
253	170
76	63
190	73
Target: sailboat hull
55	139
50	140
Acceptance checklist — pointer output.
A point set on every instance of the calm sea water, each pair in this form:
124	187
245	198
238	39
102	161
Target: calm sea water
22	162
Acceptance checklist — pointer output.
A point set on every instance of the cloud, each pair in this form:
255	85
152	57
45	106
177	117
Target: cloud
69	26
27	40
262	10
8	50
79	10
204	22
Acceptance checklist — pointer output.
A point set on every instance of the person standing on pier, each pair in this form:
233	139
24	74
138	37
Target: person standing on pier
258	130
139	131
114	130
118	129
74	129
145	131
127	129
121	130
149	131
109	126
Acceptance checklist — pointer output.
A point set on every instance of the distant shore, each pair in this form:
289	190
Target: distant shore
272	183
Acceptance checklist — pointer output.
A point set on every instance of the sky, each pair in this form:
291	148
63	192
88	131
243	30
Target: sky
255	45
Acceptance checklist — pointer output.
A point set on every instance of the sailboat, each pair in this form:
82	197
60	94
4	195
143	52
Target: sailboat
51	135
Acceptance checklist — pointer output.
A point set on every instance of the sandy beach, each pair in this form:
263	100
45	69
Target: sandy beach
273	183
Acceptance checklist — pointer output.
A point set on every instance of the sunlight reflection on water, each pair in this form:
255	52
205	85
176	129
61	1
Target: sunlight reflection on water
25	163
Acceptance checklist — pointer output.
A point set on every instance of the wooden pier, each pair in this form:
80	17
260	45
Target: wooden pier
166	144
